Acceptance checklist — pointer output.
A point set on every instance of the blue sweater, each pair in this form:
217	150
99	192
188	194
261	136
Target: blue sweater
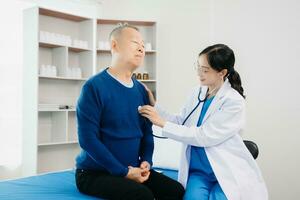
111	132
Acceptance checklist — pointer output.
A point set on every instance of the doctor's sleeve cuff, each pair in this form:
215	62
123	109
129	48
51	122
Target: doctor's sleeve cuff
186	135
174	118
171	130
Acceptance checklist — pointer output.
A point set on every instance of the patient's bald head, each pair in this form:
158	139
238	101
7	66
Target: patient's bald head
117	31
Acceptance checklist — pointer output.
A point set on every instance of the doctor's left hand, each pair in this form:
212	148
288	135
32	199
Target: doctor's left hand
150	113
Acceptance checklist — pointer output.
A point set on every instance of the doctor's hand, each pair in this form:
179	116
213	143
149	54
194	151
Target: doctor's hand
150	95
136	174
150	113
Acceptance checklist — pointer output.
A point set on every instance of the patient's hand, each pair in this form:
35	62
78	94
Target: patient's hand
145	166
136	174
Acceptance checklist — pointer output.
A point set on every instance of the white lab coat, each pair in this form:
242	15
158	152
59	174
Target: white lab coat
237	172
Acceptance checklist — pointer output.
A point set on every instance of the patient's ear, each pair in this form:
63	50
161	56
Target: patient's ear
114	45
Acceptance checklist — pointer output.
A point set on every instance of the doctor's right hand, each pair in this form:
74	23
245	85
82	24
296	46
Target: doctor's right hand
137	174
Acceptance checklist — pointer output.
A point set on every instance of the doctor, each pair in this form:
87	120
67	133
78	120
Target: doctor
215	163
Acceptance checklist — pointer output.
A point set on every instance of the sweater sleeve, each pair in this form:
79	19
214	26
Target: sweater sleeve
147	143
88	112
147	140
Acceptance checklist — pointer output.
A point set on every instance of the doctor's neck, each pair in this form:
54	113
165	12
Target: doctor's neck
214	88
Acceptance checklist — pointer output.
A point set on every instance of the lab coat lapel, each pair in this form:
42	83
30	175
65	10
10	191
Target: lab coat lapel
195	116
216	103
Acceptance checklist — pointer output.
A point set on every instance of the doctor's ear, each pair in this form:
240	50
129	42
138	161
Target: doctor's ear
223	73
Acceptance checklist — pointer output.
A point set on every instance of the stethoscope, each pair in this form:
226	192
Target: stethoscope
189	115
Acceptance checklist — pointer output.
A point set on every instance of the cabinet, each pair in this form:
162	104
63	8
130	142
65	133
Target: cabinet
61	51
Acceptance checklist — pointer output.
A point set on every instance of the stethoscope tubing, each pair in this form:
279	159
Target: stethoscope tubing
188	116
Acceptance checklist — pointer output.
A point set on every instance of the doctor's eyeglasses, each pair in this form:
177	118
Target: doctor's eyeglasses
200	69
196	66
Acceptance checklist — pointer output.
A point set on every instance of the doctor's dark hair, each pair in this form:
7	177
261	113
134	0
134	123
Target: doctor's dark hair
219	57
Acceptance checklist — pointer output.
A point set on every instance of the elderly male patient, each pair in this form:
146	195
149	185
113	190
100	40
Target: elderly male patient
116	141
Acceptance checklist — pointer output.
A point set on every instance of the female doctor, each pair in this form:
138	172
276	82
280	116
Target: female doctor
215	163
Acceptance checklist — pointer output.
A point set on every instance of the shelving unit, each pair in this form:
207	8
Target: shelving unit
50	136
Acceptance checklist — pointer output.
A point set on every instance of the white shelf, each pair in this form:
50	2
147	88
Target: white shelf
76	49
109	51
147	81
57	110
56	14
57	143
131	22
150	51
63	78
55	45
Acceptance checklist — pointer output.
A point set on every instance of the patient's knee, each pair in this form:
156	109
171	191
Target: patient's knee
140	193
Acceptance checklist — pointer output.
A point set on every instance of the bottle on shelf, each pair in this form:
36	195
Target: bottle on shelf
145	76
48	70
134	75
53	71
43	70
101	45
107	45
74	72
139	76
55	38
80	44
78	73
148	46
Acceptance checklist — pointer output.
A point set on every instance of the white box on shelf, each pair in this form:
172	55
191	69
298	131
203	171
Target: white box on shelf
80	44
101	45
74	72
107	45
148	46
55	38
48	70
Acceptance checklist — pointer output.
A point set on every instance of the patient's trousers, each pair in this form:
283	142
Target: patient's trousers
104	185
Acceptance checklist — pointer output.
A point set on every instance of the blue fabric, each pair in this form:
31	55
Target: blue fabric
199	187
111	132
199	162
202	182
54	186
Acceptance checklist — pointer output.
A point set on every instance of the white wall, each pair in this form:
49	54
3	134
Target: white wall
265	37
11	88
